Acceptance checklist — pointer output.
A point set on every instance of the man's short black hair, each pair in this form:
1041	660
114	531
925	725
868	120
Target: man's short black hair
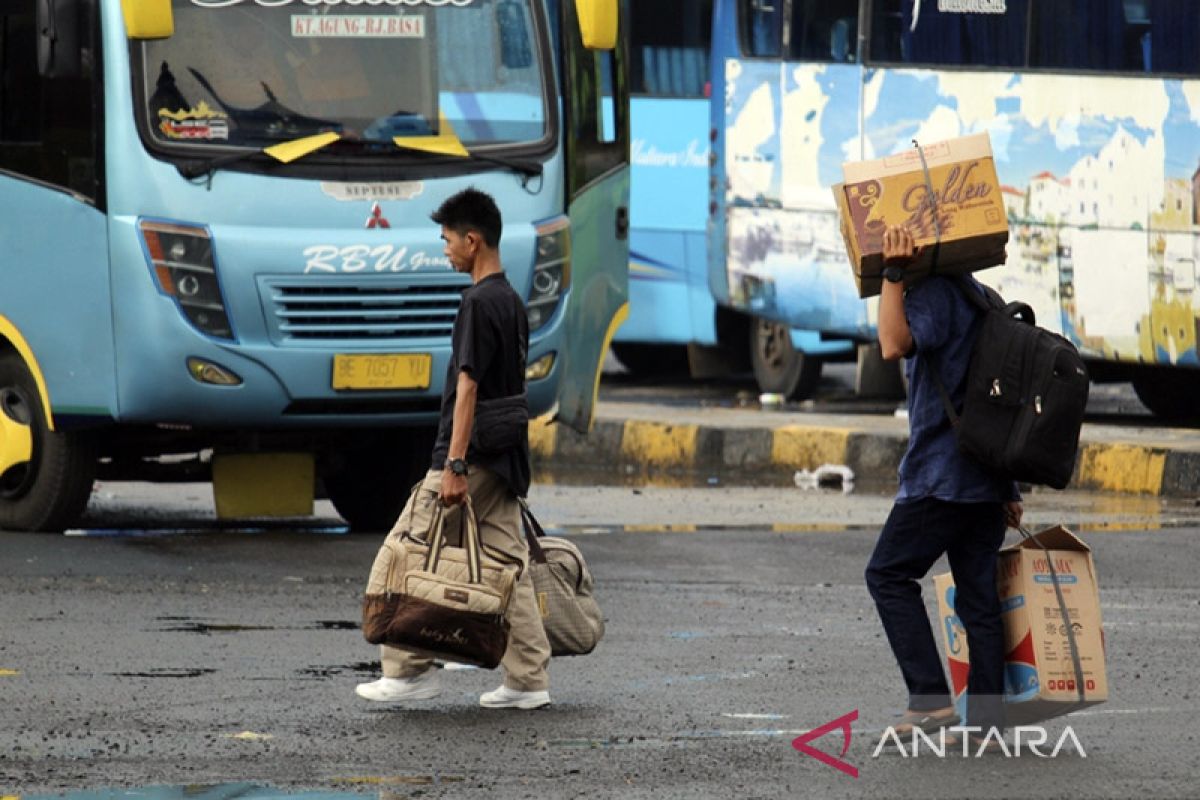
471	210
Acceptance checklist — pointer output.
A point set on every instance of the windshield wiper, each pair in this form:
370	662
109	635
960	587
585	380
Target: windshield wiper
446	143
301	147
284	152
206	168
526	167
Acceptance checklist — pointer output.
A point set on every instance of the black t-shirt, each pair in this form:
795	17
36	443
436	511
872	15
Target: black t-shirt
490	341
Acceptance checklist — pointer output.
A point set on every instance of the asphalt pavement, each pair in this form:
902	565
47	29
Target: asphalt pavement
157	656
160	654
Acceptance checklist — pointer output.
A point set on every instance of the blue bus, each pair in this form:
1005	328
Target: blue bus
1093	112
217	259
675	322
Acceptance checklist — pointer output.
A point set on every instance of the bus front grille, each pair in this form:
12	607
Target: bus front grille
360	309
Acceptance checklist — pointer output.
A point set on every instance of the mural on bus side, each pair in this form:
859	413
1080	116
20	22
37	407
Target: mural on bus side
1101	181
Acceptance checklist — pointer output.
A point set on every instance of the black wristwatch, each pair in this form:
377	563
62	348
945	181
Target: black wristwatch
457	465
893	273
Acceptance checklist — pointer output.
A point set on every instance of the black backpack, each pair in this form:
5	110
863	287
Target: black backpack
1025	395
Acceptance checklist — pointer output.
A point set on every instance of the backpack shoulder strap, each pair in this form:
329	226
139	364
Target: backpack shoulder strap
991	300
987	301
935	368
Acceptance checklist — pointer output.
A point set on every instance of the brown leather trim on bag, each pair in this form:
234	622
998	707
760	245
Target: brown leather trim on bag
455	635
426	625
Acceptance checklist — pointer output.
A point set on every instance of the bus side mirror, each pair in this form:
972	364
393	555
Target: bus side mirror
597	23
516	51
148	19
58	46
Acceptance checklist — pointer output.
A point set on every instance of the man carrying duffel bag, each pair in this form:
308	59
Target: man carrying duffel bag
482	448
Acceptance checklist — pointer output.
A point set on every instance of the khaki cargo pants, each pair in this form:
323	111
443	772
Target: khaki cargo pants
501	536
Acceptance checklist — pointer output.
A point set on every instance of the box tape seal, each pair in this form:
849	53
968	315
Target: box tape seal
1062	607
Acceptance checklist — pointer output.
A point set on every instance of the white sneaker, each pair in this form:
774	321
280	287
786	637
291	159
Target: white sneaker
391	690
505	697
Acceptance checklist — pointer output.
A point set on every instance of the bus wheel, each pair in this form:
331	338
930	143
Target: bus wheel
1169	395
650	360
779	368
45	476
368	482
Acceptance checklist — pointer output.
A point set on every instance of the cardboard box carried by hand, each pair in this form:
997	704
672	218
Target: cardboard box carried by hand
894	190
1039	674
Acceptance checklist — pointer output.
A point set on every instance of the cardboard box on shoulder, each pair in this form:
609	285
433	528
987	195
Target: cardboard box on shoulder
894	190
1039	674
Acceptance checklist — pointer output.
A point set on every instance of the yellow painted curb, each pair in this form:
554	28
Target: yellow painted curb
800	447
1122	468
542	436
8	673
808	527
658	444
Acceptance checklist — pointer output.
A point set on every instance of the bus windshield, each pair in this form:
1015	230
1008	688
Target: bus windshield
254	73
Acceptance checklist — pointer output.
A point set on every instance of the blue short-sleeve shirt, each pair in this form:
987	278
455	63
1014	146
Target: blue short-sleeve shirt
944	325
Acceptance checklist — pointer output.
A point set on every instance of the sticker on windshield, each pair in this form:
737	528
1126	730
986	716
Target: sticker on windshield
364	26
201	122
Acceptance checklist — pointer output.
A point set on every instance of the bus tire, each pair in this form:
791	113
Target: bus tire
49	492
779	368
370	480
1170	395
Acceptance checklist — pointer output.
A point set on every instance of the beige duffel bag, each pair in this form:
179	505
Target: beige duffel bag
439	601
563	585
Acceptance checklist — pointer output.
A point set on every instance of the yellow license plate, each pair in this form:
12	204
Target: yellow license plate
386	371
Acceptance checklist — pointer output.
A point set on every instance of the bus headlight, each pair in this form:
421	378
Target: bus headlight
551	270
539	369
181	257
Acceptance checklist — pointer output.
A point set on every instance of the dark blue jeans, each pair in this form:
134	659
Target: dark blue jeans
915	536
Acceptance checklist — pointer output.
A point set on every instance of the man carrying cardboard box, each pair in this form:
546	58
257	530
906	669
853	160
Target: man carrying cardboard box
946	194
946	503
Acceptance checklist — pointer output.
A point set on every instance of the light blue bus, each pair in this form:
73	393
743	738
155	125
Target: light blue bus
216	257
675	322
1093	112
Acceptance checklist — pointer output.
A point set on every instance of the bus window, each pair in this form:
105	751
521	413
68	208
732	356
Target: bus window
1088	35
1116	35
608	105
47	125
823	30
762	28
922	33
1174	37
670	47
20	91
250	77
1082	34
597	126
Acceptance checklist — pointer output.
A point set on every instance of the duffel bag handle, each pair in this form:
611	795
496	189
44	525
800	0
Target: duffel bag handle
436	537
533	530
